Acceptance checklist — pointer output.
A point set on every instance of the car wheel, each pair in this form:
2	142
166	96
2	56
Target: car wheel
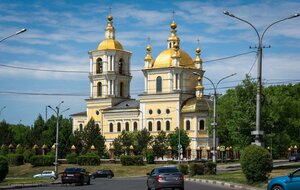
277	187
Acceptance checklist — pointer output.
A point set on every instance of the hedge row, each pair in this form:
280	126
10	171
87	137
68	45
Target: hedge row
132	160
15	159
88	159
198	168
41	160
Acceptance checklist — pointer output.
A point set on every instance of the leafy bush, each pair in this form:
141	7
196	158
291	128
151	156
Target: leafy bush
132	160
27	155
15	159
210	168
183	168
72	158
3	168
4	150
41	160
149	157
89	159
256	163
196	169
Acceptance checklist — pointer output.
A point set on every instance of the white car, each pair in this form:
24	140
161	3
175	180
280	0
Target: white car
46	174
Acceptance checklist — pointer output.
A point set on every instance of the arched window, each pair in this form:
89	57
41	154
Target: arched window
121	88
201	125
158	126
167	125
97	125
80	127
111	127
99	66
127	126
121	66
188	125
135	127
158	84
99	89
119	127
149	126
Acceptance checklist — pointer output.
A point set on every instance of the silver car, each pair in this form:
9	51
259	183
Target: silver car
165	177
46	174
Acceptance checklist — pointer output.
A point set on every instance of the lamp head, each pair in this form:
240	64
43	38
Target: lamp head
49	106
195	73
21	31
294	15
228	13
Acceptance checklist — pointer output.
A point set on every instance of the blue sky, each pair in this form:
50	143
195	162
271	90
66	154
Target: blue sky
60	33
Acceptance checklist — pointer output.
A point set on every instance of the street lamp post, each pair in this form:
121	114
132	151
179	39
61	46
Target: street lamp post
2	109
57	111
258	132
17	33
214	124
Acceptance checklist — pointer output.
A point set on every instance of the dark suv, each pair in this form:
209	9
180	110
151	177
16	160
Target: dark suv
75	175
165	177
103	173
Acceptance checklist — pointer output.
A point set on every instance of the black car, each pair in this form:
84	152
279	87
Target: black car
165	177
75	175
295	157
103	173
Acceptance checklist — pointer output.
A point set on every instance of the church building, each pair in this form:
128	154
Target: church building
173	96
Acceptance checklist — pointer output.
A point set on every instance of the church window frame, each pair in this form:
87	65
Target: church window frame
158	125
120	66
188	125
168	125
119	126
135	126
99	66
121	89
127	126
80	127
201	125
158	84
111	127
99	89
150	126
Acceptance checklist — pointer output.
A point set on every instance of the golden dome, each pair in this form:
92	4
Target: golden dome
193	105
148	48
164	59
198	50
110	18
110	44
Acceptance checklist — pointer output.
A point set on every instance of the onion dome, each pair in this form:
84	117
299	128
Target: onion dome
109	43
165	58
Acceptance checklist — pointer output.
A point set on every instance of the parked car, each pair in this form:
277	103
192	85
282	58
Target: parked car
165	177
46	174
75	175
294	157
289	182
102	173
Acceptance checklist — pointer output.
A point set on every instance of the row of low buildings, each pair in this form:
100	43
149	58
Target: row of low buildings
173	96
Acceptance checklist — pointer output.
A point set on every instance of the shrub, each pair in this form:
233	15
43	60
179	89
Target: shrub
150	157
41	160
15	159
88	159
72	158
132	160
210	168
183	168
27	155
256	163
3	168
196	169
4	150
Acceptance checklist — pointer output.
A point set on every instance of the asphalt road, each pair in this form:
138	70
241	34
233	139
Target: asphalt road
136	183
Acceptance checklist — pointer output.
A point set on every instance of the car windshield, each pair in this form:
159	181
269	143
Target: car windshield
168	170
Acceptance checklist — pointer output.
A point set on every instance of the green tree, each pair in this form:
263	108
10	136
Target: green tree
173	140
141	141
20	133
127	140
6	133
92	136
160	144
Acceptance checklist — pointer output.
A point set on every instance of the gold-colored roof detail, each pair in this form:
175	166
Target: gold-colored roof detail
110	44
148	56
194	105
164	59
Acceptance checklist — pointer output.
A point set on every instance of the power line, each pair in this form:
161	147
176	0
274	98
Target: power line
86	72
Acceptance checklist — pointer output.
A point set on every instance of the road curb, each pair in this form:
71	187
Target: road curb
21	186
222	183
